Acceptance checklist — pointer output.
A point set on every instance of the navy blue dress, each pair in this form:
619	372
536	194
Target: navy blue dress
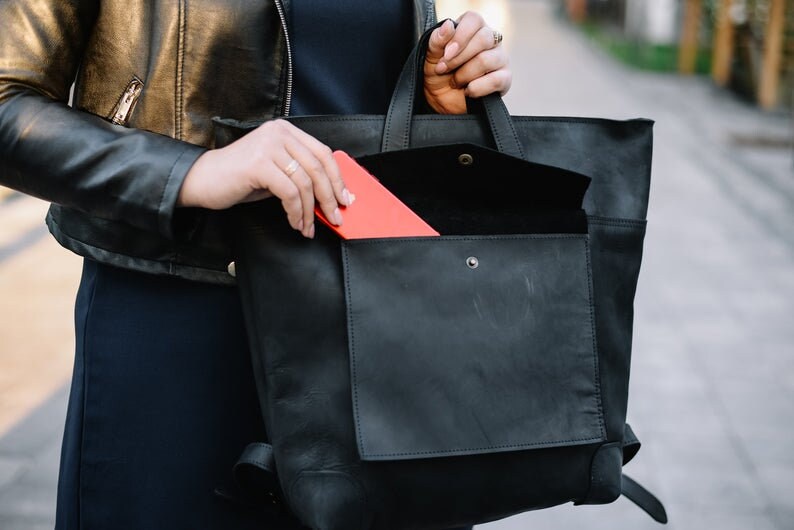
163	398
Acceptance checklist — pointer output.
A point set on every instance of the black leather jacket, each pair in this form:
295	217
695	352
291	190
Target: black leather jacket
149	76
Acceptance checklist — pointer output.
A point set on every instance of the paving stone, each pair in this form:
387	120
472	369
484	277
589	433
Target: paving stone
25	523
708	518
42	472
620	514
778	481
23	501
27	499
10	469
784	517
758	411
39	430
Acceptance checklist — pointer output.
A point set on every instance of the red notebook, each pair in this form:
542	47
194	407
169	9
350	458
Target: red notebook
376	212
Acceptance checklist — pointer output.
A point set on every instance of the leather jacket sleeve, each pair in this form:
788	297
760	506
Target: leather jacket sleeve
68	156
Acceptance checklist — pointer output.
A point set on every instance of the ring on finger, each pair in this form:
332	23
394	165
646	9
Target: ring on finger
497	38
292	167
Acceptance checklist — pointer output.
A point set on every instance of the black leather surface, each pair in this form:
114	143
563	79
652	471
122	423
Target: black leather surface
309	413
305	382
460	396
447	359
409	95
494	193
644	499
615	154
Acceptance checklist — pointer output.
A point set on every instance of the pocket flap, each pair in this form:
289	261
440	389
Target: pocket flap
469	345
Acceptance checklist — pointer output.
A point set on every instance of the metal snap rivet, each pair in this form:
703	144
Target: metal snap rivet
466	159
472	262
232	269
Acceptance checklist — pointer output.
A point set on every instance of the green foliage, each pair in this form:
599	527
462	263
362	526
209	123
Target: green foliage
642	55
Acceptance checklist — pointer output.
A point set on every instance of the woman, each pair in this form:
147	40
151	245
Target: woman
162	397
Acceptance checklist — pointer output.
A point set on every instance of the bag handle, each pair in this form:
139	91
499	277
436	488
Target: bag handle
397	130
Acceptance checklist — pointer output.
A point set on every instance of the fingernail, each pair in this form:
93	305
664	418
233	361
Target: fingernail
311	231
441	67
337	217
450	51
352	198
346	197
300	225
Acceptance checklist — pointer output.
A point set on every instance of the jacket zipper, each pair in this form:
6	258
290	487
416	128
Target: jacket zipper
283	17
127	102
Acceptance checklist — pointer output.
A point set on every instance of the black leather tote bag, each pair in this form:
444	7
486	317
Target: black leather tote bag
418	383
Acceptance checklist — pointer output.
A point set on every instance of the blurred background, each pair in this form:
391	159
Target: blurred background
712	391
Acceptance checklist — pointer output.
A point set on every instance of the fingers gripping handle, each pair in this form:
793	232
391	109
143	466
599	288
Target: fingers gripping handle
397	130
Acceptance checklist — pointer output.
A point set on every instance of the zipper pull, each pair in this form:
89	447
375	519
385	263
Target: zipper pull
125	105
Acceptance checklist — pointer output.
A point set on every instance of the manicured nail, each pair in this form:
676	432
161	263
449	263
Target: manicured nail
300	225
441	67
352	198
346	197
337	217
450	51
311	231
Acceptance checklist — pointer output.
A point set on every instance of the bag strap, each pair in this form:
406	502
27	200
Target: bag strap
643	498
631	444
501	124
631	489
256	468
397	128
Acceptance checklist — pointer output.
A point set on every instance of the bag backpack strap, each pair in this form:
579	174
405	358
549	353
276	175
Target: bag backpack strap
255	470
631	444
631	489
643	498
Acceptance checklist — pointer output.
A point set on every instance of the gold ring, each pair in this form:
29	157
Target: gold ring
497	38
292	167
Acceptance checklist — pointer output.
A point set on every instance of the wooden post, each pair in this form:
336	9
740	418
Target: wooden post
688	46
577	10
773	52
723	45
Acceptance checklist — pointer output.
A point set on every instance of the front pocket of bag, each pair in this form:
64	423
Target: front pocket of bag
471	345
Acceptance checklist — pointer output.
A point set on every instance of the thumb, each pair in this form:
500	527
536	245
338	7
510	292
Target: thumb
438	41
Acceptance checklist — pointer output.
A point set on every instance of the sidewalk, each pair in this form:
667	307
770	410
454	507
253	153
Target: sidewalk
29	456
713	368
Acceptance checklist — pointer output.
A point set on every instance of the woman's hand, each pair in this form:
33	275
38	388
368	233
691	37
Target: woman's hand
464	61
276	159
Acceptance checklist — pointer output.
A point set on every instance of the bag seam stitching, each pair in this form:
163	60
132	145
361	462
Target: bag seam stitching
596	368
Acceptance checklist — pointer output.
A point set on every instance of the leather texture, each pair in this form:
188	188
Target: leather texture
114	174
408	94
431	320
402	388
644	498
